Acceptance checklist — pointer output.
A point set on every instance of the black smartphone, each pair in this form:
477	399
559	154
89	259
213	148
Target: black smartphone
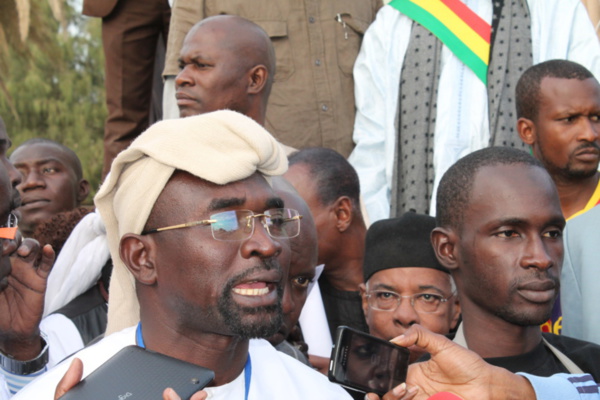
365	363
135	373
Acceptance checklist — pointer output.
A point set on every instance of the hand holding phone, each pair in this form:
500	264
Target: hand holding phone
365	363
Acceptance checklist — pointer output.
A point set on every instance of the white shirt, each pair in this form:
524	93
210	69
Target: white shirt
559	29
274	374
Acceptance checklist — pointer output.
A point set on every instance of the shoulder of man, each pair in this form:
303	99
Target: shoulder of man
584	354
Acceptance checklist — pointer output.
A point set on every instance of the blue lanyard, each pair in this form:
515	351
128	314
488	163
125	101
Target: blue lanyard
247	368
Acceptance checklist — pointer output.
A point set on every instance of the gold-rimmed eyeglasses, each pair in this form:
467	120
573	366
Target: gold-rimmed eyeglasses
236	225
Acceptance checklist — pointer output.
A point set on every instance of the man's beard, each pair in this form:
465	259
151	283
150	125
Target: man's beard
267	319
569	171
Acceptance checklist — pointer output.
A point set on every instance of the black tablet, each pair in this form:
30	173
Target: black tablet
135	373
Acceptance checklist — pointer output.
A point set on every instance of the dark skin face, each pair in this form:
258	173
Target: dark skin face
219	69
193	291
565	133
50	184
13	175
507	255
302	264
407	282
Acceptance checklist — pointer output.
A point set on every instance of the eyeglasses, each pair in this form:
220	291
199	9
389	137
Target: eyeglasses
236	225
9	230
384	300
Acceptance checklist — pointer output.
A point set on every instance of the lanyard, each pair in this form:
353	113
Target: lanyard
247	368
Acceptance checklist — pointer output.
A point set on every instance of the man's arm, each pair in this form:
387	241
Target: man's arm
564	386
454	369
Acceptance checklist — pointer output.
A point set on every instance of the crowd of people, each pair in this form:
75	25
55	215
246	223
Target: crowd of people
425	171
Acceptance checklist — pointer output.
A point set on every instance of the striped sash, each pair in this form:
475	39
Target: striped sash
457	26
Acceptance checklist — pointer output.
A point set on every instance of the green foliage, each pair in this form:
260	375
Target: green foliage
54	86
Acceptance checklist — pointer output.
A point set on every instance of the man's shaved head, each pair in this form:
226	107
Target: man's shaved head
246	39
226	62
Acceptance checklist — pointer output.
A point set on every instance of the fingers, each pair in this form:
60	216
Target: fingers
400	392
201	395
46	260
28	250
71	378
169	394
418	336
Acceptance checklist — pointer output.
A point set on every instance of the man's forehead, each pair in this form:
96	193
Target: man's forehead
205	32
551	87
40	152
206	195
512	191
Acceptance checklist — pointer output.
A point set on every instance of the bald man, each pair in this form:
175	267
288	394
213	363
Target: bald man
226	62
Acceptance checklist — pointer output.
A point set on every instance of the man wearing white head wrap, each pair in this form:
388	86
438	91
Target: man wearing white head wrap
200	298
219	147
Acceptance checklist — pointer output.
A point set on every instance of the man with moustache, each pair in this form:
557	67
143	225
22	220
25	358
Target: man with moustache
558	106
316	43
226	62
196	273
404	282
499	232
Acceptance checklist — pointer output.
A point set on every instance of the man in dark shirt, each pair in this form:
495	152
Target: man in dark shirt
499	232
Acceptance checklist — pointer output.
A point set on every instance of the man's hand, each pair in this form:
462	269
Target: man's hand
169	394
22	301
70	379
454	369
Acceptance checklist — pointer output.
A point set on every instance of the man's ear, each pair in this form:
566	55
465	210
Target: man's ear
344	213
444	243
258	76
526	129
137	252
83	189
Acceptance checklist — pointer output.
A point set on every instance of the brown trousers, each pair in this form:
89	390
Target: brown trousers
130	34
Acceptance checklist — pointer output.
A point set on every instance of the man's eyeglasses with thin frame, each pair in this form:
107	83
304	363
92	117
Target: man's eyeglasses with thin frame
385	300
238	225
9	230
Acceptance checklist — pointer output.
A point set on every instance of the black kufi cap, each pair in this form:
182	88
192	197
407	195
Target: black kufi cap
400	243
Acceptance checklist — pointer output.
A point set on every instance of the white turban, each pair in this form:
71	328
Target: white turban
220	147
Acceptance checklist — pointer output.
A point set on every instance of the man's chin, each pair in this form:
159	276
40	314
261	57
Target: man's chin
261	325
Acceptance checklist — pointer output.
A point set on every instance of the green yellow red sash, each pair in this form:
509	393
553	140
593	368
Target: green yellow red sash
457	26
